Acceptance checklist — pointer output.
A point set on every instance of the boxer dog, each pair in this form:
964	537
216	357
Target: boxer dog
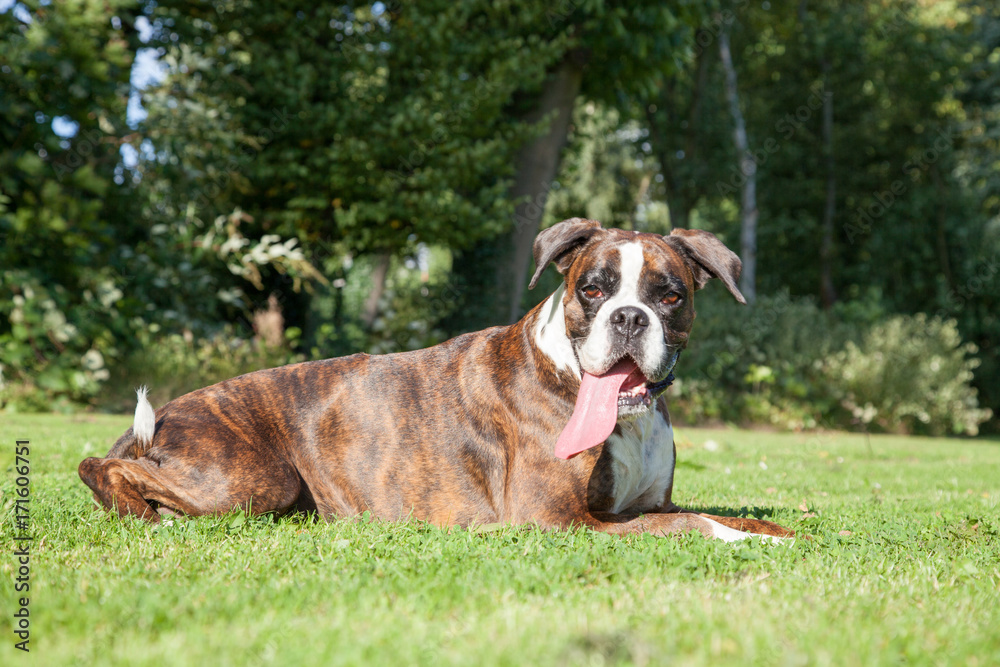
557	420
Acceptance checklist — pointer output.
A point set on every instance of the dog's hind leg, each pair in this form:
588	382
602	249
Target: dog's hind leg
139	486
194	466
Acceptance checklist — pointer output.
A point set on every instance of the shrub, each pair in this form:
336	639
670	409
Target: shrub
174	364
909	373
757	364
63	332
55	343
786	363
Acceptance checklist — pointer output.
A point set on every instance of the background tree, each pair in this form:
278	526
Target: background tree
360	130
65	72
973	298
610	52
377	172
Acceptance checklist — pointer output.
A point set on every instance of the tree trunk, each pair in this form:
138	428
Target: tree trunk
678	159
748	168
379	275
537	166
941	220
828	294
491	275
667	156
827	291
639	198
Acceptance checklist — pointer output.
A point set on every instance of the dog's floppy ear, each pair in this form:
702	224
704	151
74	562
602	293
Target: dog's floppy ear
708	258
560	244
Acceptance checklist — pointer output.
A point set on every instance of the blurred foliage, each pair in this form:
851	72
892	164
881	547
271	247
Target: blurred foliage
787	363
86	266
172	364
289	150
63	319
606	174
915	153
354	129
909	373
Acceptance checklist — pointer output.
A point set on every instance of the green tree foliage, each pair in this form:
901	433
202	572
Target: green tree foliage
87	267
612	52
311	152
608	173
339	124
356	129
62	311
973	298
909	85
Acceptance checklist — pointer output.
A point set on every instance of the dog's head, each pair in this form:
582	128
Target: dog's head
628	299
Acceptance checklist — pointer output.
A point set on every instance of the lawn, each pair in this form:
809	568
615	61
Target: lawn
903	568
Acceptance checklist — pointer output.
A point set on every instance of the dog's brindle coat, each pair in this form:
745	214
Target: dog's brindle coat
460	433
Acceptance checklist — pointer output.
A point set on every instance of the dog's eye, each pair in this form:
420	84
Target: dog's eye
671	298
593	292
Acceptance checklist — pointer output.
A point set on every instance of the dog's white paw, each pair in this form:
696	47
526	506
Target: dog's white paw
728	534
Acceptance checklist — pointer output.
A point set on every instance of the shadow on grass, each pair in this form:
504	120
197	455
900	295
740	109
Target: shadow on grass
764	513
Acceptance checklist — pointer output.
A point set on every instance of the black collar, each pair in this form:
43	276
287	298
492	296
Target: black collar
659	387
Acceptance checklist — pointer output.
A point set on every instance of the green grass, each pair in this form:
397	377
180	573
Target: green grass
903	568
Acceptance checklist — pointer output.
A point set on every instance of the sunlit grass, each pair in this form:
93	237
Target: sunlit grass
903	567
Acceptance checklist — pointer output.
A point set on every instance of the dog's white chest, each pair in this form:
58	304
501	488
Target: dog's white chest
642	462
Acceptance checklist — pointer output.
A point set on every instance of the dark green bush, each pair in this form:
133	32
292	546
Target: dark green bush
757	364
786	363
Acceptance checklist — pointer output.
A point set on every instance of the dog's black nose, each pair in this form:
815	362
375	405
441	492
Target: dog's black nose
629	321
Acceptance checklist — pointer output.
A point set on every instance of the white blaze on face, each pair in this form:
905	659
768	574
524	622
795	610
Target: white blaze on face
594	353
550	333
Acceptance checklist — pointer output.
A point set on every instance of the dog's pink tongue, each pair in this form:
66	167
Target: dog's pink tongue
596	410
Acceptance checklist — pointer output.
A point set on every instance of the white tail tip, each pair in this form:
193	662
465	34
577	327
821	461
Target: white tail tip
145	420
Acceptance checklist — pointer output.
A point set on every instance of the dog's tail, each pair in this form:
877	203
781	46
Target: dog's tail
135	444
145	420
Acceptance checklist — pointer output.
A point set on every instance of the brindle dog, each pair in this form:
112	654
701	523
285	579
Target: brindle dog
464	432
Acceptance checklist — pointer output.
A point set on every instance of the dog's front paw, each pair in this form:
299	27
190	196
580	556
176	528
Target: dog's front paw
754	526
